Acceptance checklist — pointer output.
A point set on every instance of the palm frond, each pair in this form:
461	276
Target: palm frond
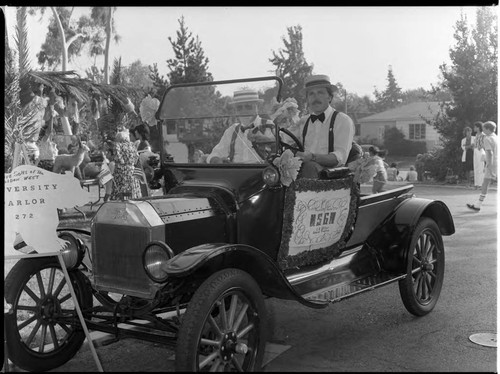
70	84
11	93
21	40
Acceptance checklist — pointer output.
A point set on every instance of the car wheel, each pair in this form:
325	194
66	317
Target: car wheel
421	287
223	327
42	328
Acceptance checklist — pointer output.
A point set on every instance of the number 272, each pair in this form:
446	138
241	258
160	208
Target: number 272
24	216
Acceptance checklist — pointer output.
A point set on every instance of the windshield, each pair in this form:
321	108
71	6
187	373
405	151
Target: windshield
220	122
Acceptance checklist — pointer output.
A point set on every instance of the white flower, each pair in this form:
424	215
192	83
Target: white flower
288	166
148	109
286	113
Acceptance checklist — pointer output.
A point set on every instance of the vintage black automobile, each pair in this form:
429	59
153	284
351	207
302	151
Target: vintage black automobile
191	265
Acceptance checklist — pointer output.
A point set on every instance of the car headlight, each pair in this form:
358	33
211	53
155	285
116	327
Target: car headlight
271	176
73	253
154	257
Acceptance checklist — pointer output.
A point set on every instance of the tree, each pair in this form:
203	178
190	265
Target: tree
292	66
22	113
137	75
159	81
352	104
190	63
472	80
65	38
397	145
420	94
103	18
391	97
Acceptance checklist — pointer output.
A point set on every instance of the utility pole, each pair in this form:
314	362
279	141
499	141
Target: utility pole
345	100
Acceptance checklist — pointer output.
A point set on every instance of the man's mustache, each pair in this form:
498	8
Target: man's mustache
316	102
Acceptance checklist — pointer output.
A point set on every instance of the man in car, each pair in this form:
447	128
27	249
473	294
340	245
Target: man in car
236	146
326	134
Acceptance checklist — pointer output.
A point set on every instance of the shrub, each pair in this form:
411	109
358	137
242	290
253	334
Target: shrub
437	162
397	145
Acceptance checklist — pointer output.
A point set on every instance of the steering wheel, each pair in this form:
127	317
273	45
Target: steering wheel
298	148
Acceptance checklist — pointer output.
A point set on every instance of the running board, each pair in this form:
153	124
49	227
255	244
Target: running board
338	292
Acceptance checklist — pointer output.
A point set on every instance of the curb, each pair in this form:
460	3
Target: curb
438	185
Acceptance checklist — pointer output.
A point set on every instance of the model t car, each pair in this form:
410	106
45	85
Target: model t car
191	265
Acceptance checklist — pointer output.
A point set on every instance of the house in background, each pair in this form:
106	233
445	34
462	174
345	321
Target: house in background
407	118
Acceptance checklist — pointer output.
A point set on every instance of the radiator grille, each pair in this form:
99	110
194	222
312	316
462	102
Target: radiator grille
117	259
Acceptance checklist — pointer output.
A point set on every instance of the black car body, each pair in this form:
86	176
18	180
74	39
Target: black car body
213	240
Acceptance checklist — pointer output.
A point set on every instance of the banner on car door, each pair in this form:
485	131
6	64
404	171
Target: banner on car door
318	216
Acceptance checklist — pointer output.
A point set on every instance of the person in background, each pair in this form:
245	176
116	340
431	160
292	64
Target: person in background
199	157
235	144
325	146
107	169
392	172
125	157
379	171
48	148
140	137
479	155
491	156
412	175
419	167
467	146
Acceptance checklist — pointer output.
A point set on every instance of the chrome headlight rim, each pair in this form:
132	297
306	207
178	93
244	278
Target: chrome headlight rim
271	176
169	253
73	253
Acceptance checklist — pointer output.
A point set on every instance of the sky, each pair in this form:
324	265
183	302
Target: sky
352	45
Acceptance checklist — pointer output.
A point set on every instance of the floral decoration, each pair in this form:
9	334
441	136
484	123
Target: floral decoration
286	113
288	166
148	108
363	169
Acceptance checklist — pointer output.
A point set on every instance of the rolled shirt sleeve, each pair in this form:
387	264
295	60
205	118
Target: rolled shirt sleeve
343	135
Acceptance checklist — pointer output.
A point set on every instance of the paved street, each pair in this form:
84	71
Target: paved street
373	331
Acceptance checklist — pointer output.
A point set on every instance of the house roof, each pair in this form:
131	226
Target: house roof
413	111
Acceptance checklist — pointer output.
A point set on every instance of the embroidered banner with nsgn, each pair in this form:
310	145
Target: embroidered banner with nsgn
318	217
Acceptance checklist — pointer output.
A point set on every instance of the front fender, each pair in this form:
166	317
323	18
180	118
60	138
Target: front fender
206	259
86	240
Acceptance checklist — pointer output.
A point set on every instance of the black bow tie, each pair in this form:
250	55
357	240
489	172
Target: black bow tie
321	117
245	128
261	128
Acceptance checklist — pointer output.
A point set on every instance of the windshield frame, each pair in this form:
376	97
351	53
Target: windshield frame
160	119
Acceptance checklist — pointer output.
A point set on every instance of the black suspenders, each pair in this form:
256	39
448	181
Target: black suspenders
263	124
330	132
233	140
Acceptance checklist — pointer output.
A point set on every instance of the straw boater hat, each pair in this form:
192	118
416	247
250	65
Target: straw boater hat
315	81
245	96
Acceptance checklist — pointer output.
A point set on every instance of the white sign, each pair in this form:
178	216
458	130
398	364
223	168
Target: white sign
32	197
319	219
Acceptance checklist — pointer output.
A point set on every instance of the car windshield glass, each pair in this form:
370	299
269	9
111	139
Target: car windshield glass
195	119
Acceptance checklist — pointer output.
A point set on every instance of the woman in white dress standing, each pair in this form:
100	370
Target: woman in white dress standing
479	155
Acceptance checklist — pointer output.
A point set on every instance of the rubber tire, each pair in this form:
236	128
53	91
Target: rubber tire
413	303
18	352
200	306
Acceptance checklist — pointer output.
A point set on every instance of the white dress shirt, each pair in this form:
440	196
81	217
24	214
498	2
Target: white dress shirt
243	149
463	143
317	136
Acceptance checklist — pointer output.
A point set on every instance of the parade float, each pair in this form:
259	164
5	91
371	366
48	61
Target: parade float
191	267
